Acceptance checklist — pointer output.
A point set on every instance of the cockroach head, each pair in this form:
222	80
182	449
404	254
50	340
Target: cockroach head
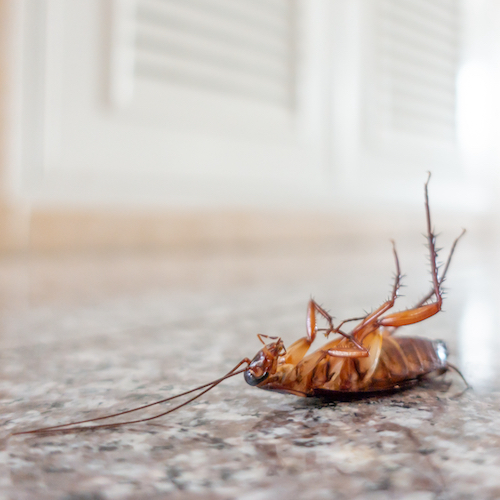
264	363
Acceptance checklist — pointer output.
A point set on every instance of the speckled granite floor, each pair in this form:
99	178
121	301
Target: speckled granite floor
84	336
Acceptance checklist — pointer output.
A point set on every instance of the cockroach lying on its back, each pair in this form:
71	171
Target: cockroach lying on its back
369	360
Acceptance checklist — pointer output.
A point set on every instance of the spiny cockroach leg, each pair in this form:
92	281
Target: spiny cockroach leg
432	246
313	307
371	321
421	312
445	270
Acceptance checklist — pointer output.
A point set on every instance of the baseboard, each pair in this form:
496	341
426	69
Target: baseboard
70	230
67	230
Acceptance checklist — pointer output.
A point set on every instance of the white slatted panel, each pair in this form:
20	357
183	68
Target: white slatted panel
417	43
244	46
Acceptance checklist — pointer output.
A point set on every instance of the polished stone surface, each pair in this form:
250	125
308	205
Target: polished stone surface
82	336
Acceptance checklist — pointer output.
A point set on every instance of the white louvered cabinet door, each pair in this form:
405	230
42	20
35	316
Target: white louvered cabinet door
411	61
237	102
184	102
244	48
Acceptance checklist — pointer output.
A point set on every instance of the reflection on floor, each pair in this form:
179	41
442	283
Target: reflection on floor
83	336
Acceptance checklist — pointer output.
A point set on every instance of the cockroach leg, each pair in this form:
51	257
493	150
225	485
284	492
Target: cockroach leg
445	270
342	323
311	327
348	353
260	336
296	352
455	369
422	311
371	322
448	260
432	246
311	320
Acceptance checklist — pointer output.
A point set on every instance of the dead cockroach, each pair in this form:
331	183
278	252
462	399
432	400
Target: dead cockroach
369	360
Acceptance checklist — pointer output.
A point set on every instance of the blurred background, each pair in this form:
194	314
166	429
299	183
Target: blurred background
160	124
177	176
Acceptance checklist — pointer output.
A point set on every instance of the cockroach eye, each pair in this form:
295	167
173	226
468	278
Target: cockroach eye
251	379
